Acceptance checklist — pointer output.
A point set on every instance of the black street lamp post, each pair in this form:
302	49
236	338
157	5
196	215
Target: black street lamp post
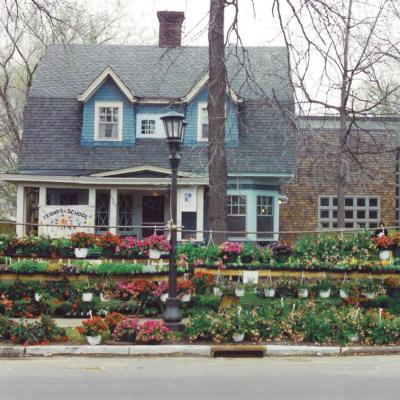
174	126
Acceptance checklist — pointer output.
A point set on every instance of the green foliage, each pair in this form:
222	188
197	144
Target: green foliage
28	267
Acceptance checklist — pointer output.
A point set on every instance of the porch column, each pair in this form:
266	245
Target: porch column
20	229
200	213
92	203
42	230
113	210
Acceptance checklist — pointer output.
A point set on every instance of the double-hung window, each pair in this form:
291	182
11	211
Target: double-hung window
108	121
202	121
149	126
265	216
237	215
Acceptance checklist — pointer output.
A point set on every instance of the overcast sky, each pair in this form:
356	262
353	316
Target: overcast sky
257	26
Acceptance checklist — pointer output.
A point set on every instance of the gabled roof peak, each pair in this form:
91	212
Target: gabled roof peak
108	72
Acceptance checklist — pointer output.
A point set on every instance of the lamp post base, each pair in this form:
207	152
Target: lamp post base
172	315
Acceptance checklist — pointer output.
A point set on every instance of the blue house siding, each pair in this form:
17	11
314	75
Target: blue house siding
108	92
231	124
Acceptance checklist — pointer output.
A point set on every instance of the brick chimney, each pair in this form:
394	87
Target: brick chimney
170	28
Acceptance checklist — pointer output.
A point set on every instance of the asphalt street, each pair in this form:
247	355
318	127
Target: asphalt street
71	378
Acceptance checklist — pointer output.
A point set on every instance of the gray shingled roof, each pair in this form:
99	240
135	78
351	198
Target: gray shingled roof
53	116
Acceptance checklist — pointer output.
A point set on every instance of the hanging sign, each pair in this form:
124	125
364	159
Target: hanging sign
250	277
62	221
189	200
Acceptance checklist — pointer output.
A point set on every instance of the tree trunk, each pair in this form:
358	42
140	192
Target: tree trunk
217	167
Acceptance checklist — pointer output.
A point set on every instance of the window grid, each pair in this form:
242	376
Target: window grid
237	205
125	210
360	212
265	206
108	122
148	127
102	211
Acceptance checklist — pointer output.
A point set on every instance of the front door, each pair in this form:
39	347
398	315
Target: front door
152	214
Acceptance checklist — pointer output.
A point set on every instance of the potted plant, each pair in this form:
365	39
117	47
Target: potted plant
108	243
126	330
385	244
230	251
184	290
153	332
240	289
285	287
281	251
347	289
268	288
303	288
202	281
218	289
324	288
81	241
154	246
370	288
128	248
238	327
87	292
62	246
92	329
249	253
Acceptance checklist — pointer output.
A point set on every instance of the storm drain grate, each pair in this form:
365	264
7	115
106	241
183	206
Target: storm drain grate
238	351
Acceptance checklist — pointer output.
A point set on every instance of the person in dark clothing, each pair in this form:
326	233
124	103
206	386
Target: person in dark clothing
381	231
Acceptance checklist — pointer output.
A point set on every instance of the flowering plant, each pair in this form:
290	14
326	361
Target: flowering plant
202	279
280	247
82	240
136	289
157	242
92	327
108	241
384	242
160	289
184	287
113	319
128	247
126	329
231	248
153	331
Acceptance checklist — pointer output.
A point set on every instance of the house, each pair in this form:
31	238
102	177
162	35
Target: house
372	173
94	150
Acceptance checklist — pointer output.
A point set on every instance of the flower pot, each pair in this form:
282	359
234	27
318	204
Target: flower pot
281	258
231	258
246	259
107	253
87	297
354	338
303	293
384	254
269	292
369	295
81	253
104	298
238	337
154	253
343	294
325	293
217	291
239	292
38	297
186	298
164	297
94	340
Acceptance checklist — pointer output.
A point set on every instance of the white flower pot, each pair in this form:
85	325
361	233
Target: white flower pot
81	253
154	253
384	254
38	297
94	340
325	293
104	298
238	338
354	338
186	298
370	295
303	293
269	292
239	292
164	297
217	291
87	297
343	294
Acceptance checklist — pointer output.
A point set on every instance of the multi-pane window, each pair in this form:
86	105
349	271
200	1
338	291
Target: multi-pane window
203	121
359	212
108	123
125	211
237	215
265	216
102	210
147	127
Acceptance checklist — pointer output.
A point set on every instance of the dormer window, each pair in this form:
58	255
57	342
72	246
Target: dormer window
108	121
149	126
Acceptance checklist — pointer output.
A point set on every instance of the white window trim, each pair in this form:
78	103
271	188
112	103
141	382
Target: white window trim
200	107
115	104
159	134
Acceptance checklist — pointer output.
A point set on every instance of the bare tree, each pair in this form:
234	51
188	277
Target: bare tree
335	47
217	165
28	27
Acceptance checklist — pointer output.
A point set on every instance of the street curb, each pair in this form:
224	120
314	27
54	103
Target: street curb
191	350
